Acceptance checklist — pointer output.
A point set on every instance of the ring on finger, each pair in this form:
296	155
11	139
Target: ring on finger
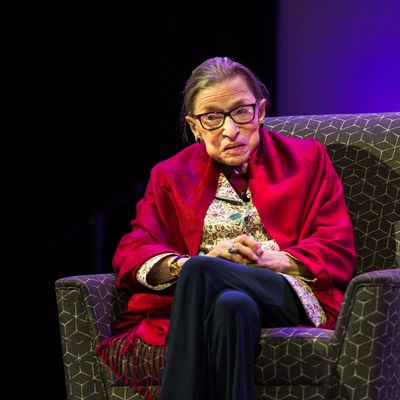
233	250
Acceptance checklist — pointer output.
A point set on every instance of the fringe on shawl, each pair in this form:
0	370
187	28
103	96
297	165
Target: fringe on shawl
134	361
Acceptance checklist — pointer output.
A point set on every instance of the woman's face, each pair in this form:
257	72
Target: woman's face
232	143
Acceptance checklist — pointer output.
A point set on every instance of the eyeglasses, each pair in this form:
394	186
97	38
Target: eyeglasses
240	115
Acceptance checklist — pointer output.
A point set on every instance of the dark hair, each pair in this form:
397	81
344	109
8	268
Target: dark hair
211	71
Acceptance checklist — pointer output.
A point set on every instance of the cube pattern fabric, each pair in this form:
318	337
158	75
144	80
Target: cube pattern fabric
365	151
359	360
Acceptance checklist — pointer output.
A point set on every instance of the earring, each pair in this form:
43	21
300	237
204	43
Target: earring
261	121
199	139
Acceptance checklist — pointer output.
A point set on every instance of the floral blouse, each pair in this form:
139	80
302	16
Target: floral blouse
229	216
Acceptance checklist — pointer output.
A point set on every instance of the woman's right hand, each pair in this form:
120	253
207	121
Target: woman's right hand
242	249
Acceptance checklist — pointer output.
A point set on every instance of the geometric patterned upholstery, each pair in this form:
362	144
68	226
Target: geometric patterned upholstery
360	359
367	338
365	151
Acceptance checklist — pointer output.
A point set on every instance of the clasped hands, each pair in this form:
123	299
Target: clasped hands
245	250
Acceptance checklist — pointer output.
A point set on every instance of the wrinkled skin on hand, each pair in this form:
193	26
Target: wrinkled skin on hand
250	252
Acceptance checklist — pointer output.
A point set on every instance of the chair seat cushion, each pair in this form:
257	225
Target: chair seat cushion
294	356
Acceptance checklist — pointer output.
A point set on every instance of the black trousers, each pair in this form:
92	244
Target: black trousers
218	310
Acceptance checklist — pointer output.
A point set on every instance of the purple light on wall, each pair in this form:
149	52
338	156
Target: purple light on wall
338	57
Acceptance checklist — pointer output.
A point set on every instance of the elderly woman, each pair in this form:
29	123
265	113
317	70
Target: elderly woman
242	230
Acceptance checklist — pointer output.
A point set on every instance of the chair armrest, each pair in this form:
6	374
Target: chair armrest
87	308
366	296
367	335
99	298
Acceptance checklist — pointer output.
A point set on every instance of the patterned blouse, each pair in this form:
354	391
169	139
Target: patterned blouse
227	217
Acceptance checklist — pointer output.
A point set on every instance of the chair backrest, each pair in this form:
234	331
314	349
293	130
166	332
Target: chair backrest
365	151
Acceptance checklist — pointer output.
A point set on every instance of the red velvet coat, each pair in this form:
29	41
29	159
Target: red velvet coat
295	189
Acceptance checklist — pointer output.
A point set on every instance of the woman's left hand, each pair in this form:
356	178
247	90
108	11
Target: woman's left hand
252	251
277	261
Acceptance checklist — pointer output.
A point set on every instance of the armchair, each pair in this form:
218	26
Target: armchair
358	360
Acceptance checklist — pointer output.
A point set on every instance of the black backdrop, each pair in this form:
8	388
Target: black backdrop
104	93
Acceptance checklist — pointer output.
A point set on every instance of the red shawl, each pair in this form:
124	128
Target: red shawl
299	198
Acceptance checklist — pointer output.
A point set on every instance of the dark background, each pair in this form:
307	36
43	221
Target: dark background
100	87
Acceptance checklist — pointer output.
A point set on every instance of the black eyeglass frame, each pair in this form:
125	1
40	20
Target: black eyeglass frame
227	114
